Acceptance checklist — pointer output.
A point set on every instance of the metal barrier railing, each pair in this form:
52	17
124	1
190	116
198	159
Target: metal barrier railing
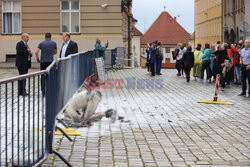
64	78
22	120
119	60
28	121
110	58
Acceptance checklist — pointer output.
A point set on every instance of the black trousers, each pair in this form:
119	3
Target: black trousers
179	67
222	78
43	66
148	66
229	76
152	67
22	83
205	66
245	76
187	72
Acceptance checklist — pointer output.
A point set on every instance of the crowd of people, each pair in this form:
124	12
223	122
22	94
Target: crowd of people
231	62
45	55
154	58
48	49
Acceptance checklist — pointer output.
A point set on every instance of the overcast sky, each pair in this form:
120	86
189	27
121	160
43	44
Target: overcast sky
147	11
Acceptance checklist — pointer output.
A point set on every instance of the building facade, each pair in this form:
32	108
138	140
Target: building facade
136	46
208	21
247	18
191	41
86	20
233	18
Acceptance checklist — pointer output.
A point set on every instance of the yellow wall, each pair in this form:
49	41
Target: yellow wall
208	21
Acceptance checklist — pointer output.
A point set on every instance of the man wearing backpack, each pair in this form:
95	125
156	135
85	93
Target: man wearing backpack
159	57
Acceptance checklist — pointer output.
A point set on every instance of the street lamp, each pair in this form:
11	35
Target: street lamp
126	7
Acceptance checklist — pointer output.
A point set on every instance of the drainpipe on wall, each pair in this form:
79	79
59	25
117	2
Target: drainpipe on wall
130	15
222	19
129	41
127	8
234	19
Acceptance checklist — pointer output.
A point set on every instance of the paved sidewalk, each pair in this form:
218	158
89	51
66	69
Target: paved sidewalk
11	72
166	127
12	65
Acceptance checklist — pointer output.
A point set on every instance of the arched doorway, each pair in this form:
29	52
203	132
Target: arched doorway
232	36
226	36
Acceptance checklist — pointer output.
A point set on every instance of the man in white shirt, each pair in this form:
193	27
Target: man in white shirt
69	47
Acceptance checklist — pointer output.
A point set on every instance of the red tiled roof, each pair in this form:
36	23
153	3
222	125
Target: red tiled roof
137	32
166	30
192	36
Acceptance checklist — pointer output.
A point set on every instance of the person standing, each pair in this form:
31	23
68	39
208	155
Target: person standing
159	58
200	46
99	50
48	49
148	62
197	62
183	49
245	68
188	62
23	62
152	59
220	57
206	63
236	63
69	47
215	54
176	57
212	59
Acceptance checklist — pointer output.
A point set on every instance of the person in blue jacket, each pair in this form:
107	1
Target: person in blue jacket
99	50
152	58
206	60
212	59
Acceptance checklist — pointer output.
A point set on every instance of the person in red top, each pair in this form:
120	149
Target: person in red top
230	74
236	63
230	53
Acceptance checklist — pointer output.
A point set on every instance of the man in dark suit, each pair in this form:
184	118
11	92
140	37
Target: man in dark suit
69	47
23	61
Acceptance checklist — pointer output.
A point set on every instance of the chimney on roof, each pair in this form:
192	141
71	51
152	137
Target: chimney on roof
174	18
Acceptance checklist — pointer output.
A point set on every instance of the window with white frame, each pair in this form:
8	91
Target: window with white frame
70	16
11	16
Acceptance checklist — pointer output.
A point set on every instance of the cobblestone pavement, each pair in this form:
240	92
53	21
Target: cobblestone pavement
163	127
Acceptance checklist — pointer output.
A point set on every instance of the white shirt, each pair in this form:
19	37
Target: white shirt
64	48
181	52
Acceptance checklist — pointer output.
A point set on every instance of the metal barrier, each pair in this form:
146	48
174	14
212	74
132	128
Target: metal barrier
64	78
120	60
28	122
22	120
110	58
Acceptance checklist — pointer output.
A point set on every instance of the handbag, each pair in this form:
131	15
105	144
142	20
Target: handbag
173	55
